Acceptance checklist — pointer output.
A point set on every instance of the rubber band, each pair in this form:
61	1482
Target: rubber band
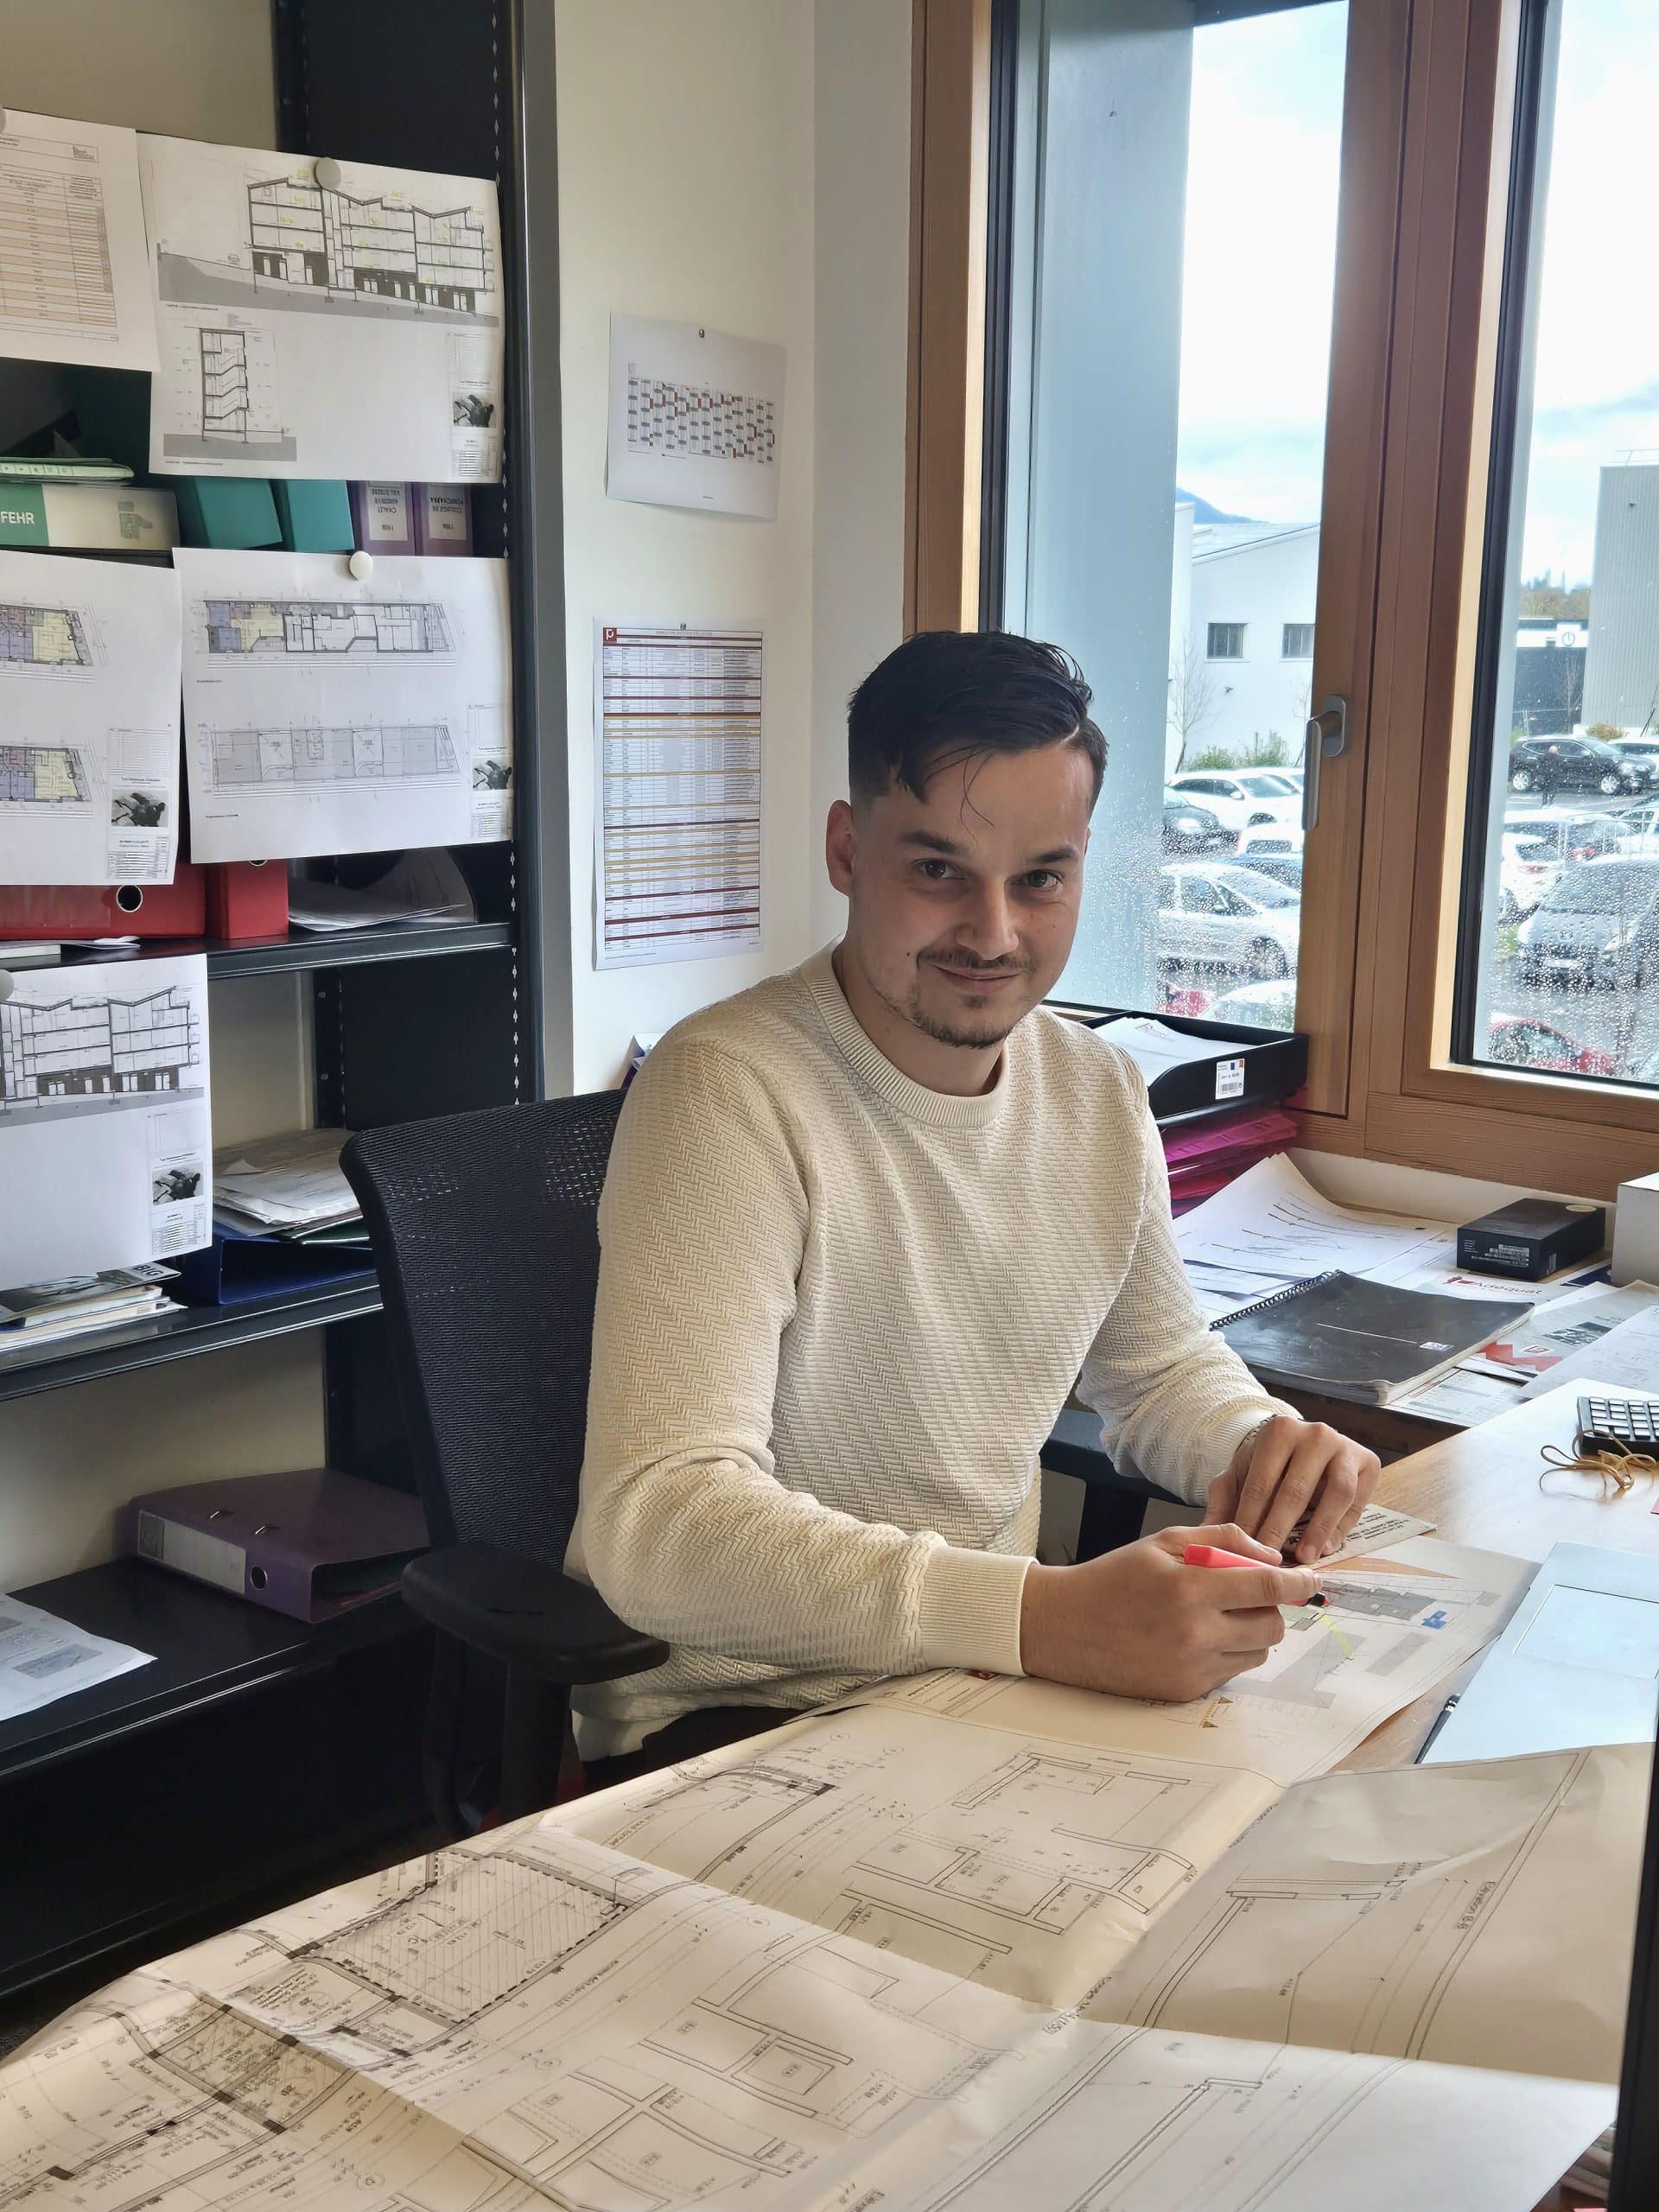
1613	1463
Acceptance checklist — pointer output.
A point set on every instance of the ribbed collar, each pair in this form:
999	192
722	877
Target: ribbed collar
940	1109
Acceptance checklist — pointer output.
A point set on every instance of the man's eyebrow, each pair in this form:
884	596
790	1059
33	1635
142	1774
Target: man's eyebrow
930	840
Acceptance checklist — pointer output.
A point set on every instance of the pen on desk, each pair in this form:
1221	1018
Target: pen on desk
1439	1721
1211	1555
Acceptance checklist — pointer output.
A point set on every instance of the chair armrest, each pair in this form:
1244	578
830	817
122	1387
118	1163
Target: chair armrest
526	1613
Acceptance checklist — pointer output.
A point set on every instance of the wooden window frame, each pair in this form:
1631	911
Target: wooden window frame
1426	148
1409	1101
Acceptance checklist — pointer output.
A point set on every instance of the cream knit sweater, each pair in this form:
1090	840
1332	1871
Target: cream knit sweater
837	1315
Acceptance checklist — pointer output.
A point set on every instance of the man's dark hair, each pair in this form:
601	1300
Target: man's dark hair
945	695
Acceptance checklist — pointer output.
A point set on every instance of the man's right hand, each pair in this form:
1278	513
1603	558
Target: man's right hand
1138	1623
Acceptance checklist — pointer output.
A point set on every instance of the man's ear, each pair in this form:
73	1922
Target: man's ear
841	847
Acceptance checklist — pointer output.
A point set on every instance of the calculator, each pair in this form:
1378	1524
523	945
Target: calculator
1618	1424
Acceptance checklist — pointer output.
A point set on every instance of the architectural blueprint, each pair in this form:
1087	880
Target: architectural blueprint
1025	1864
1397	1623
322	329
532	2020
74	277
105	1141
696	418
1397	1913
89	720
326	715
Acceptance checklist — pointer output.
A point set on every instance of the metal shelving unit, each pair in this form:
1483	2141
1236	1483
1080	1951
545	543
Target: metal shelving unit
302	949
180	1336
252	1748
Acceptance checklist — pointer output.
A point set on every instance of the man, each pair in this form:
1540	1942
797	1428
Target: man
864	1227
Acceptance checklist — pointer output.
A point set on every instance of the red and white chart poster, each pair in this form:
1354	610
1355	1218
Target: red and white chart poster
676	832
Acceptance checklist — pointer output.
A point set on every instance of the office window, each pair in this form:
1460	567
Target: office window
1298	642
1559	939
1164	407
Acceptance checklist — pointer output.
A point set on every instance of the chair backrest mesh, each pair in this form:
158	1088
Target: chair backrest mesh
484	1229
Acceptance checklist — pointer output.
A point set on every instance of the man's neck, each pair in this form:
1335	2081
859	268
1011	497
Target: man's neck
958	1070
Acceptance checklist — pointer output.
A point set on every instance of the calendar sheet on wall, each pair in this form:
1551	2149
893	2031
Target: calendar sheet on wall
676	792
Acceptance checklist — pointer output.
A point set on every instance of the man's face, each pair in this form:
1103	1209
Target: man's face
964	902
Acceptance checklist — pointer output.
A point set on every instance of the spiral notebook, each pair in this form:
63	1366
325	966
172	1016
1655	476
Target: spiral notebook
1371	1342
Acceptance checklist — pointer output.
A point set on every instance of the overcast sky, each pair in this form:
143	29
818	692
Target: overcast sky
1261	244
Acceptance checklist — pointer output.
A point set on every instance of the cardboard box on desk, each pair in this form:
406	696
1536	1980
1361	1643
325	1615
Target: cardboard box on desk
1636	1231
309	1543
239	1266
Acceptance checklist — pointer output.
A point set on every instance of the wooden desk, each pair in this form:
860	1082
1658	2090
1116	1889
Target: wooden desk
1480	1486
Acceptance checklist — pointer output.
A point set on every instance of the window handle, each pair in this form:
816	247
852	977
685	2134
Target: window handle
1327	736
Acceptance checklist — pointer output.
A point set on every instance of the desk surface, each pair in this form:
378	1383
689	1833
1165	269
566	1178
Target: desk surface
1480	1486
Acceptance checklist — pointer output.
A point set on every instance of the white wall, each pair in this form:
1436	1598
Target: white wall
742	164
196	68
861	192
685	191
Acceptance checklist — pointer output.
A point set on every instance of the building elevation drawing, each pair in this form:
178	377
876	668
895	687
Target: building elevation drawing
89	1046
43	637
314	239
43	775
224	383
264	628
378	753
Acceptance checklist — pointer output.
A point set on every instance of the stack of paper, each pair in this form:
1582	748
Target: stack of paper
37	1312
289	1186
1270	1228
1205	1156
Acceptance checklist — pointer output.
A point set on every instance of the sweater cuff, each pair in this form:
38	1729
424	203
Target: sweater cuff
1238	1424
970	1610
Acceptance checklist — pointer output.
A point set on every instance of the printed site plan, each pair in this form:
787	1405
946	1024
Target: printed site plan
323	715
957	1944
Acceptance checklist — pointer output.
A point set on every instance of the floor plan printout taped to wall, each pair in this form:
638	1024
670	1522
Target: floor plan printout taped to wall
74	277
344	324
89	720
534	2019
677	736
105	1140
323	715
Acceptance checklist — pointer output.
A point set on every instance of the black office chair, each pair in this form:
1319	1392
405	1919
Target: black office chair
484	1230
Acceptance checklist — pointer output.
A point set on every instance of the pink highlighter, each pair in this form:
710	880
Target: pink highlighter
1209	1555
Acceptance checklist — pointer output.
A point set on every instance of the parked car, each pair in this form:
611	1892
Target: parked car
1259	1006
1638	828
1274	781
1189	828
1527	871
1185	999
1270	838
1599	923
1642	747
1516	1040
1283	868
1229	916
1549	765
1236	798
1571	835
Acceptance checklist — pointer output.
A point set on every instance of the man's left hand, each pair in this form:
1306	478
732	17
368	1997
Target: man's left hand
1291	1472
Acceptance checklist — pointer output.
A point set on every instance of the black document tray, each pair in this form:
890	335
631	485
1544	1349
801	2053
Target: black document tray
1274	1063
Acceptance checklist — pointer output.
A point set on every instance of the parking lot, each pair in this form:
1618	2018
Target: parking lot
1612	1030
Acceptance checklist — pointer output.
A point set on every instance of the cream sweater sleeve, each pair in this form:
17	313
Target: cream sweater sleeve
1174	1399
684	1527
